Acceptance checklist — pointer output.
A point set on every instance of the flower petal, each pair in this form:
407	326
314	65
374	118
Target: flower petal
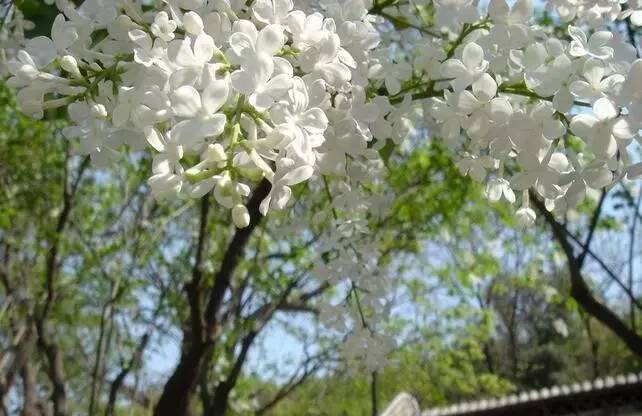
186	101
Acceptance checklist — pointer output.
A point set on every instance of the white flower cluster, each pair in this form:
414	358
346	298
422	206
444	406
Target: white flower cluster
12	35
222	93
523	99
227	92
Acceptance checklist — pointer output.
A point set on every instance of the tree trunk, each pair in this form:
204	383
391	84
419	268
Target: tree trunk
30	406
177	393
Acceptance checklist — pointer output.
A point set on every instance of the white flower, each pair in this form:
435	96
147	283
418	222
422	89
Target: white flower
601	129
44	50
511	23
191	54
547	72
482	107
446	112
542	175
528	129
193	23
287	174
362	111
163	27
476	166
218	26
596	85
308	121
272	11
164	183
199	111
327	60
227	192
215	153
167	179
391	72
526	216
632	87
96	136
70	64
145	53
595	175
24	69
164	144
306	30
498	187
467	70
595	46
262	77
247	42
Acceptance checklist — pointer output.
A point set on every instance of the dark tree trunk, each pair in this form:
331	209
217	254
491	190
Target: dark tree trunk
220	402
177	393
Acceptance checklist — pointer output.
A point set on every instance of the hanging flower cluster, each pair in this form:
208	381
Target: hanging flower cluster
227	92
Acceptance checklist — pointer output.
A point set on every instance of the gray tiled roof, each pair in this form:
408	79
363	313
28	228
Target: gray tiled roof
402	405
556	392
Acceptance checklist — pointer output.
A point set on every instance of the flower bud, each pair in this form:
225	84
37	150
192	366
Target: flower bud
193	23
240	216
526	216
124	21
69	64
216	153
193	171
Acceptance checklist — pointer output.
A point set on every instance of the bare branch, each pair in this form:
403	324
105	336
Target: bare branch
118	381
592	227
582	293
632	234
193	288
310	366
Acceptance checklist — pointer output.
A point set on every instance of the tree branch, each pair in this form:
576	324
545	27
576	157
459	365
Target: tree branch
310	366
176	396
258	320
582	293
593	225
632	234
134	362
193	288
233	255
51	351
595	257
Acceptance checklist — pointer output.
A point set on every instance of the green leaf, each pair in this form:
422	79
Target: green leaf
386	151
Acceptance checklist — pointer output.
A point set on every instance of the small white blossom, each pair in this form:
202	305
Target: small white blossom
163	27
